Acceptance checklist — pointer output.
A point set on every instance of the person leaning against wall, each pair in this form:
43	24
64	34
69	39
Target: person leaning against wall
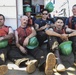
70	25
56	36
6	35
31	18
41	25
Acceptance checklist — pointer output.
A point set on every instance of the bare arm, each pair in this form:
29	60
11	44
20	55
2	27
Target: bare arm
72	34
39	29
33	33
52	33
28	37
8	36
17	40
69	29
22	49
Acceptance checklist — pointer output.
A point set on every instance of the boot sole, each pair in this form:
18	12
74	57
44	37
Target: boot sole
3	69
31	68
50	64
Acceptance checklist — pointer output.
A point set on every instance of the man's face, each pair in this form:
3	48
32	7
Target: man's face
1	21
45	14
24	20
28	14
74	10
59	24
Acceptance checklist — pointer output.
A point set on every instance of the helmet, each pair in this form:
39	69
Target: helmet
27	9
50	7
3	43
33	43
66	47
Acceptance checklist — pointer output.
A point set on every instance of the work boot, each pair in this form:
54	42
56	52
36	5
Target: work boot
50	64
75	60
74	63
55	45
59	67
21	62
31	66
3	69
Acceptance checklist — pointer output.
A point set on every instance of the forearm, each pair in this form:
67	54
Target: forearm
72	34
9	36
32	34
52	33
40	29
73	30
18	45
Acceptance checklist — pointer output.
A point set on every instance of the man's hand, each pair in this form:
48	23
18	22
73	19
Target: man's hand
47	26
23	50
1	38
64	37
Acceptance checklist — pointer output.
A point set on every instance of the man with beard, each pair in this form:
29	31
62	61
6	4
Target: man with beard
6	35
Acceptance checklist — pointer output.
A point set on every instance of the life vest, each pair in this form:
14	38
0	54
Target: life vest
70	22
23	33
30	22
60	31
4	31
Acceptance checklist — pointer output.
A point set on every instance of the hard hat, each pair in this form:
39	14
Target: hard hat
66	47
33	43
3	43
49	7
27	9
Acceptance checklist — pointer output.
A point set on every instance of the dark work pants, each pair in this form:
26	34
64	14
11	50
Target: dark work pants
41	36
38	54
4	54
15	54
73	39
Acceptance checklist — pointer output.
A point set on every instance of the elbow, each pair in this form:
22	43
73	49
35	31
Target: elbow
35	33
47	32
12	35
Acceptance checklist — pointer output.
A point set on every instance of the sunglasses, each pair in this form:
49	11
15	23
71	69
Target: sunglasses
45	13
